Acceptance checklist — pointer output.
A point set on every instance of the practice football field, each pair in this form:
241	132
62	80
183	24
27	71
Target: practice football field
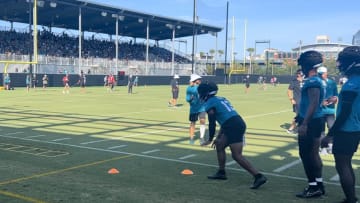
57	147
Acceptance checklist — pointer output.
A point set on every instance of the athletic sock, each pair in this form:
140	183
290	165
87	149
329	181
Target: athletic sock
202	131
319	180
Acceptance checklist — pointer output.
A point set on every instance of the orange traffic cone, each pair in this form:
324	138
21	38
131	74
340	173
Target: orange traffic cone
187	172
113	171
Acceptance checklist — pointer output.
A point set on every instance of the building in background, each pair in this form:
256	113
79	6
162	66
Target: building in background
356	39
330	50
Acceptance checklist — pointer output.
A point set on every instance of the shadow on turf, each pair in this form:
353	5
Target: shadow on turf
285	126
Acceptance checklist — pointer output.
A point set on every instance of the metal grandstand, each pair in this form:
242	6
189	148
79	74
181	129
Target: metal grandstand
87	16
101	18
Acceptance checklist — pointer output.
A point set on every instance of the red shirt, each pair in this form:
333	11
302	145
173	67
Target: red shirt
111	79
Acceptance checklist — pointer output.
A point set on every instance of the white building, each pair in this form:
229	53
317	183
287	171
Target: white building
324	46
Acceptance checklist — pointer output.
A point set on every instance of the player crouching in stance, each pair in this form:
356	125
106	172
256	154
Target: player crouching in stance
231	133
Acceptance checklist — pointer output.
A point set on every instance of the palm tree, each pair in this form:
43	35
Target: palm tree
202	54
220	52
212	53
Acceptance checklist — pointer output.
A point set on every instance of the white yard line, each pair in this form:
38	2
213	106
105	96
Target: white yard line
61	139
335	178
151	151
95	141
231	163
287	166
151	132
35	136
187	156
14	133
267	114
116	147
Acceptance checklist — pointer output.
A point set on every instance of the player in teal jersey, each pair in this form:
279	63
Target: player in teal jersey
346	130
197	110
328	105
311	123
232	131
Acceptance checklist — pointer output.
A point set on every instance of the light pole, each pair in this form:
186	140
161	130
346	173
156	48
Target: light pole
193	38
267	53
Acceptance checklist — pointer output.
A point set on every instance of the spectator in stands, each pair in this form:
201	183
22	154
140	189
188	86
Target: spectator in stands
63	45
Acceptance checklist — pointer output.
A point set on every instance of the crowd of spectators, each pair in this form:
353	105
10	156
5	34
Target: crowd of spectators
64	45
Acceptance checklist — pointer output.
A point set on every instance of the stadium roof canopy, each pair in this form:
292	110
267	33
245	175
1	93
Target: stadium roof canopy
100	18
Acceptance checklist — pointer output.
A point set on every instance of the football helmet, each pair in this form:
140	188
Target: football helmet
348	61
206	90
310	60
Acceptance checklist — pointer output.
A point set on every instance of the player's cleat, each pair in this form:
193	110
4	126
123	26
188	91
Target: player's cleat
205	143
310	192
291	132
322	187
218	176
191	141
258	182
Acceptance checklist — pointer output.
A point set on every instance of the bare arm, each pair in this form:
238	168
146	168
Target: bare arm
212	123
291	96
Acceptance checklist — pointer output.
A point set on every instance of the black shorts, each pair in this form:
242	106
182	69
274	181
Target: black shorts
346	143
175	94
314	128
234	129
247	85
295	108
193	117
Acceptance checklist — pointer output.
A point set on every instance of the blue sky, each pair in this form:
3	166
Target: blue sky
283	22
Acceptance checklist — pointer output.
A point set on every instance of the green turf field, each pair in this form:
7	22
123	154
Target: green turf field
57	147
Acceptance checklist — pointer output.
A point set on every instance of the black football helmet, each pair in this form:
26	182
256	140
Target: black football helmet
310	60
348	61
206	90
